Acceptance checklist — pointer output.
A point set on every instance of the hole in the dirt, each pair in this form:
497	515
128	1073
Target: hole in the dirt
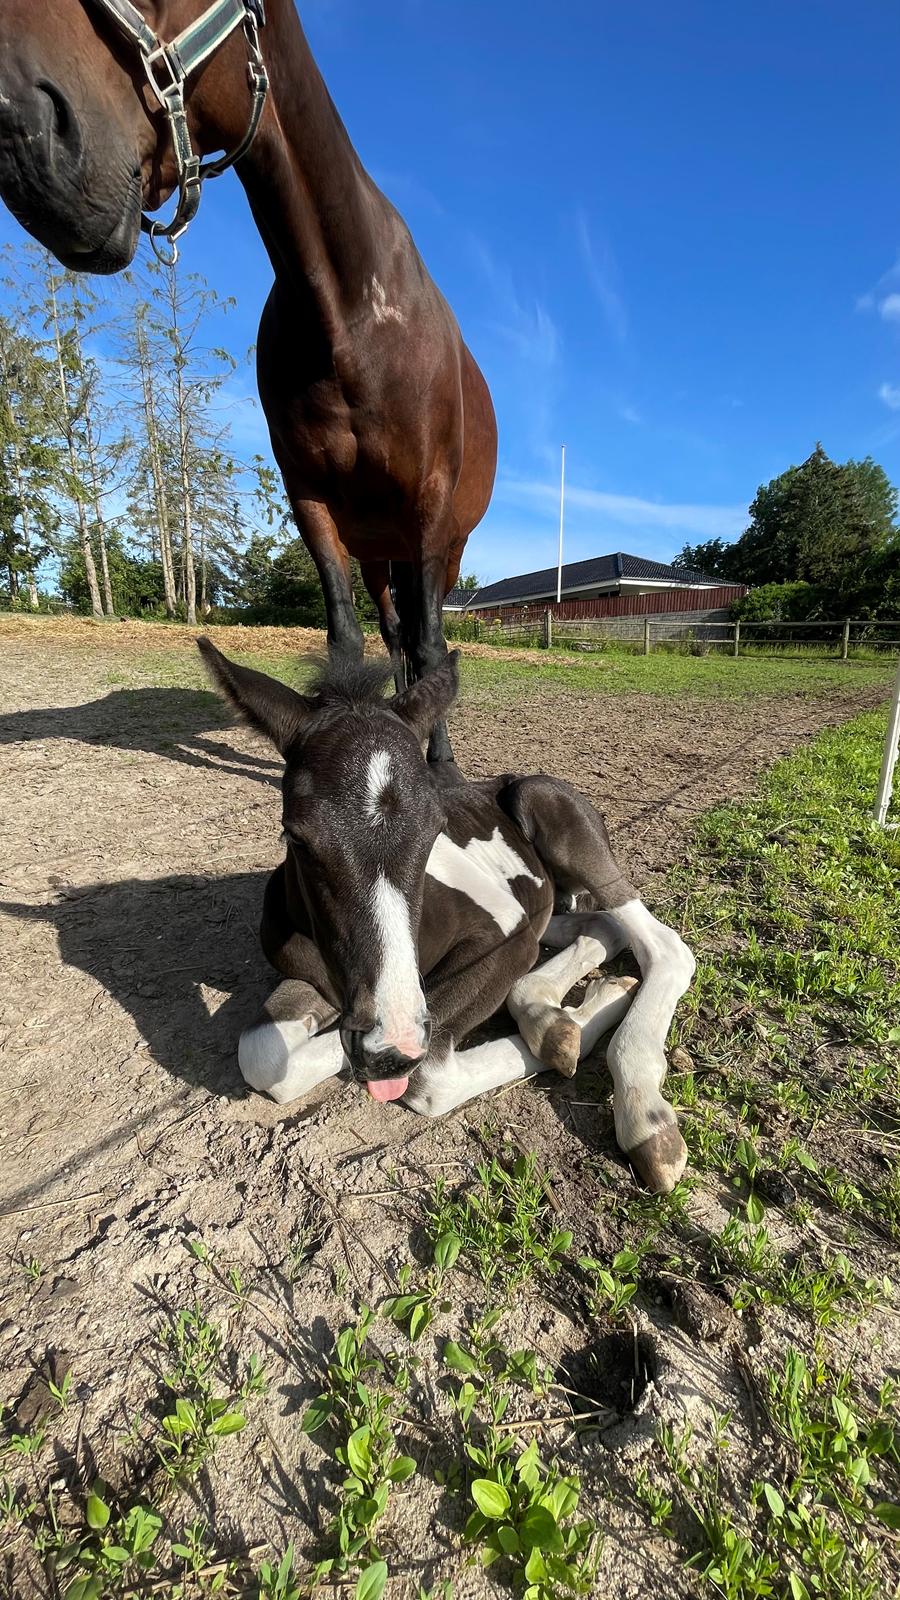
610	1374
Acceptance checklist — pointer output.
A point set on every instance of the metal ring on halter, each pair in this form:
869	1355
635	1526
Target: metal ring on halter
179	58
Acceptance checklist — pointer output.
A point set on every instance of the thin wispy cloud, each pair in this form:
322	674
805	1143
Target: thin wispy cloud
630	511
603	276
523	322
879	299
630	414
407	193
890	394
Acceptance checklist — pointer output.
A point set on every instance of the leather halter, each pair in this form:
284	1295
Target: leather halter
167	68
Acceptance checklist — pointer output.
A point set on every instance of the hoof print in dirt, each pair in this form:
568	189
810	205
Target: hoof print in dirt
700	1313
635	1384
774	1187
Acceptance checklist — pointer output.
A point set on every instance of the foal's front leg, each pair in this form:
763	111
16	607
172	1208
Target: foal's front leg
293	1044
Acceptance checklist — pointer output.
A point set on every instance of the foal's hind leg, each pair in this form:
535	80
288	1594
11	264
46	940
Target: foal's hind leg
535	1001
292	1045
571	839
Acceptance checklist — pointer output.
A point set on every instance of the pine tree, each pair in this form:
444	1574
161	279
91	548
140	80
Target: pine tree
29	459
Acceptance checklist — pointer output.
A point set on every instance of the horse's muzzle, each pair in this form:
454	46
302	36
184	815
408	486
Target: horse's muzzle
79	199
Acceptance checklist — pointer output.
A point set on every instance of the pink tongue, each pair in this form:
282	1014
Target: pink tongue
387	1088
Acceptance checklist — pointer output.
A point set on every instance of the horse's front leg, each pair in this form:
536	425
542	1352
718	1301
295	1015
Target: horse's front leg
420	589
468	986
322	540
293	1044
377	579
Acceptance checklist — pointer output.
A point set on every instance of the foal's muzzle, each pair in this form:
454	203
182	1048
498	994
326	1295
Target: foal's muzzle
383	1068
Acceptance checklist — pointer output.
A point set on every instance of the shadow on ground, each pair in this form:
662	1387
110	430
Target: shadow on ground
179	724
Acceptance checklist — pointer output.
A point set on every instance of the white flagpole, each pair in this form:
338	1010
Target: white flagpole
889	760
562	513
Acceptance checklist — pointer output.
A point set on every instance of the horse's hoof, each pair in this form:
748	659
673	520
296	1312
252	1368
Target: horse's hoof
660	1160
560	1046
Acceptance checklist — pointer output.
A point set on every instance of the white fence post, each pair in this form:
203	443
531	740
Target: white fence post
737	638
889	760
646	636
845	641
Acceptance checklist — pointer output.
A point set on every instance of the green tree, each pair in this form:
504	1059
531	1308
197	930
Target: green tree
468	582
137	585
818	523
715	558
30	460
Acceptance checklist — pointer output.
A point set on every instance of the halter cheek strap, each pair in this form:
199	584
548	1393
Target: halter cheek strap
167	68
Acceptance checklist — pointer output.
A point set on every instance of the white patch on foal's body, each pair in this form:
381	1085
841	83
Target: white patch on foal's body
285	1060
482	872
377	779
636	1053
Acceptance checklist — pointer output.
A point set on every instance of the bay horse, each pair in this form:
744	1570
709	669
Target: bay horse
381	422
411	905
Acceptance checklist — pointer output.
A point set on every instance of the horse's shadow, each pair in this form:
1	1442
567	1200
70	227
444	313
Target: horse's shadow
178	724
180	954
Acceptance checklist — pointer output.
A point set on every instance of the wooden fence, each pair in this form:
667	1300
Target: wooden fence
840	638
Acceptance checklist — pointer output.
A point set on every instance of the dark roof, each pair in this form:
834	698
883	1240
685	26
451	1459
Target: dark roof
579	575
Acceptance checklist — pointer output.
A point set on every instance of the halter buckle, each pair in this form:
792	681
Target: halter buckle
173	91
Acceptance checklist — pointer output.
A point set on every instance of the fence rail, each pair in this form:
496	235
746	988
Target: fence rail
841	638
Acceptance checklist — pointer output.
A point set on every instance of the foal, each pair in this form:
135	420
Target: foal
410	907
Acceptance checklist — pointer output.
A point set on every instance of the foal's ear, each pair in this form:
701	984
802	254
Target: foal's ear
428	701
269	706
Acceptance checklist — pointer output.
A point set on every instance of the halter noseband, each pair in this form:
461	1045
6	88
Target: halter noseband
167	67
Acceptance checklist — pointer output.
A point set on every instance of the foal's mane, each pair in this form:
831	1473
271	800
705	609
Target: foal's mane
344	683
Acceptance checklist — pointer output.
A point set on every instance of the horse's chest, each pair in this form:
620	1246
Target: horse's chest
491	875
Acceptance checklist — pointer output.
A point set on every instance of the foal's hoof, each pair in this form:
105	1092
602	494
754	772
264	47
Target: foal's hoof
560	1046
661	1159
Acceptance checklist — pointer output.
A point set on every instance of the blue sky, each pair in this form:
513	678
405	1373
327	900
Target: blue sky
671	235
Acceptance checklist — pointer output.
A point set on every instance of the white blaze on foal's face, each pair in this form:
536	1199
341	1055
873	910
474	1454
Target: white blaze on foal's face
399	1001
378	779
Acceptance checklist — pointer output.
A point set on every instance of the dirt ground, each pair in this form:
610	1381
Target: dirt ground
139	825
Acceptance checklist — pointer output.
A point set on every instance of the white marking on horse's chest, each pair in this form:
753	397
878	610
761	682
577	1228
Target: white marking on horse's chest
381	311
482	872
377	779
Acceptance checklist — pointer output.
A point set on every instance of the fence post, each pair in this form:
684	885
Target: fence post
845	641
737	639
646	636
548	629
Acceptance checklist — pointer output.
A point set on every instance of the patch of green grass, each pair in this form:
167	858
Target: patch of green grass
357	1413
499	678
718	677
504	1225
790	901
783	1539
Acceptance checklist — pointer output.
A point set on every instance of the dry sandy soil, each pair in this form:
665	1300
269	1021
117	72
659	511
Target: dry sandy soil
138	828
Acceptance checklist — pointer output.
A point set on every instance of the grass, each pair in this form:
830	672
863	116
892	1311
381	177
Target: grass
501	677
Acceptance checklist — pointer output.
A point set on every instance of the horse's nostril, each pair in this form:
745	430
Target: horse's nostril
65	124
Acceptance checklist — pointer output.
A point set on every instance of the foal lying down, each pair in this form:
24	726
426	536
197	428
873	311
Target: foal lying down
410	907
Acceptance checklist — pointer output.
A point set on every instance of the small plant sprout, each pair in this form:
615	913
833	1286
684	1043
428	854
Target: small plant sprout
414	1309
360	1414
504	1227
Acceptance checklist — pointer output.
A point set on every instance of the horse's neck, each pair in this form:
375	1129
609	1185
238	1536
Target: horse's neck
310	196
